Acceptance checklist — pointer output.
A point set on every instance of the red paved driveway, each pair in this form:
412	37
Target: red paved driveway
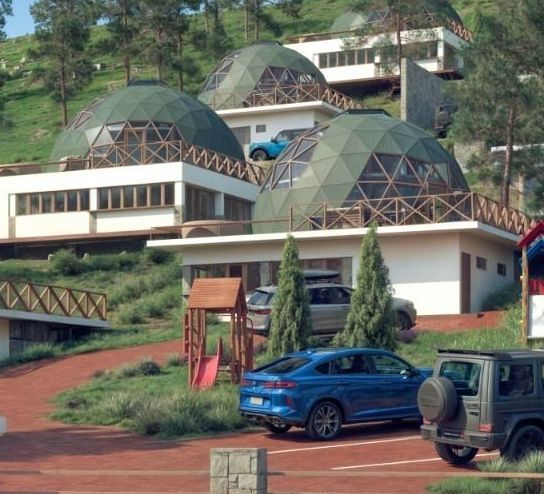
41	456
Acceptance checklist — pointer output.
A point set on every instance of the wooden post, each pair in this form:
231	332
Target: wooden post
524	295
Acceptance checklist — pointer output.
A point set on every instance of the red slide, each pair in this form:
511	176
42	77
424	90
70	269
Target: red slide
207	368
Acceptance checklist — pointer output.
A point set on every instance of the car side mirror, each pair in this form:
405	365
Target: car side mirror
272	139
410	372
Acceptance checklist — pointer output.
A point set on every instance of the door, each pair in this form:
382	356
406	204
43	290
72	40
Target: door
465	283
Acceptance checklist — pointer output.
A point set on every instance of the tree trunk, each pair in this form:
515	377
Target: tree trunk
126	57
256	19
398	27
180	54
62	90
159	56
508	158
246	20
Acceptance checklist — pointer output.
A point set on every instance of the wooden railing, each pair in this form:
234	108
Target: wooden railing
115	155
282	95
400	211
52	300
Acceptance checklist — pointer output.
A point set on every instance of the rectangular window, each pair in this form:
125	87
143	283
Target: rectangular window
47	202
84	200
34	203
72	200
103	199
350	57
52	202
323	60
155	199
22	204
333	59
501	269
169	194
141	196
481	263
115	197
516	380
260	128
128	197
465	376
60	202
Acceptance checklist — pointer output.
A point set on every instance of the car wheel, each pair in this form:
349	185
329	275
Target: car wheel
526	439
437	399
455	455
259	155
278	427
325	421
404	322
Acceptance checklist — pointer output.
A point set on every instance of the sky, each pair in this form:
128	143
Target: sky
21	22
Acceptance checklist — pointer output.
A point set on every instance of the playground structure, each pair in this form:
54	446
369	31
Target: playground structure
532	281
216	296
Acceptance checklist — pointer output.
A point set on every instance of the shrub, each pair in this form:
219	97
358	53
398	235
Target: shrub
111	262
119	406
39	351
131	314
148	367
158	256
503	298
67	263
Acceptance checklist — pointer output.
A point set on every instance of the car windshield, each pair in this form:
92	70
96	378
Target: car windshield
284	365
260	298
465	376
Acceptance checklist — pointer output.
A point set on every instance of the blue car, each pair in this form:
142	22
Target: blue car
321	389
268	150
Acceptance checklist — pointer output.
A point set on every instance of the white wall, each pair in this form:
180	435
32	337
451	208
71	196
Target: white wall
73	223
486	282
4	338
275	121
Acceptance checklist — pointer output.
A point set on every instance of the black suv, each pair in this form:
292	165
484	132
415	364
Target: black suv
484	399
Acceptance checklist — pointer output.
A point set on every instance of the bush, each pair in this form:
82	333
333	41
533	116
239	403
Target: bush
119	406
112	262
131	314
503	298
158	256
148	367
39	351
67	263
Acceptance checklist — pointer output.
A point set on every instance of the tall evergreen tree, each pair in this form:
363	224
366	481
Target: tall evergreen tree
122	27
501	100
371	319
291	324
393	17
5	10
62	32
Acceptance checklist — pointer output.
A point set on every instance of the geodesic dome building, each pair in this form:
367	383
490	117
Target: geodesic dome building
138	123
358	155
266	70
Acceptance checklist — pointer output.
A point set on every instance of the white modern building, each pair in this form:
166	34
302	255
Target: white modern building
351	63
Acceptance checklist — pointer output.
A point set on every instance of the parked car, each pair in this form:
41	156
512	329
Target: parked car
484	399
329	305
321	389
268	150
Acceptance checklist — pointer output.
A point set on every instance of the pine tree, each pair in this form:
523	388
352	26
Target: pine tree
501	99
122	28
291	324
5	10
371	320
62	33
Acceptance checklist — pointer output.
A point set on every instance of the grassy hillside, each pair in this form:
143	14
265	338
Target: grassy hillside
36	118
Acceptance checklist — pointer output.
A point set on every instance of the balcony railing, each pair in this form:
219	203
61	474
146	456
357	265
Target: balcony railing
396	211
52	300
119	154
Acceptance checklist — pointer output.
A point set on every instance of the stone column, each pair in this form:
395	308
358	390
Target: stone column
238	471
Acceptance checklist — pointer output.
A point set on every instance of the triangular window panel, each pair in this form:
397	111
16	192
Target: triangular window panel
297	169
389	162
283	181
354	195
405	170
372	170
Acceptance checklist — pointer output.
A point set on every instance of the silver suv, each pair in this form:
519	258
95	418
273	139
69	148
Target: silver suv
484	399
329	305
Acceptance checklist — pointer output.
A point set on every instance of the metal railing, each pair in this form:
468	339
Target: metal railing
52	300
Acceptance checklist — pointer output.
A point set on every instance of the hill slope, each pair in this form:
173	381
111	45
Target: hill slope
36	118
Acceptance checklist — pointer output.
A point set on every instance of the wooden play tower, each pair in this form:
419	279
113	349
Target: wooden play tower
216	296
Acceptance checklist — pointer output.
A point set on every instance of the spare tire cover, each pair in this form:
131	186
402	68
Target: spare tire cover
437	399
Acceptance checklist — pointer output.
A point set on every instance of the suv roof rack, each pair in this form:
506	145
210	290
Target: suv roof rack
490	353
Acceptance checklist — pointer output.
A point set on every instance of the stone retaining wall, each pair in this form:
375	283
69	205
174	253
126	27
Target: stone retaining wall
238	471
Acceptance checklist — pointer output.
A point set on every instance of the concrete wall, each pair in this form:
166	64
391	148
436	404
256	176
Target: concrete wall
421	93
4	338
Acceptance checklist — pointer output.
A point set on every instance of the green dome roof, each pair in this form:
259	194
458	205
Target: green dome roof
353	20
145	108
264	67
357	155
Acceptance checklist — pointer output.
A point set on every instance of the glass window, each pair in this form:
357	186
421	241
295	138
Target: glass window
323	60
260	128
84	200
261	298
501	269
169	194
350	57
156	196
516	379
72	200
481	263
387	364
115	197
34	203
60	201
103	199
465	376
333	59
128	197
47	202
21	204
284	365
141	196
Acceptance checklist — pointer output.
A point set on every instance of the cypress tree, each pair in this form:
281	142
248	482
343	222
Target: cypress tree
291	324
371	320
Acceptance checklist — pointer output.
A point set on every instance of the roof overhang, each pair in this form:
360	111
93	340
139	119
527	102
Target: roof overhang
20	315
473	227
286	108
